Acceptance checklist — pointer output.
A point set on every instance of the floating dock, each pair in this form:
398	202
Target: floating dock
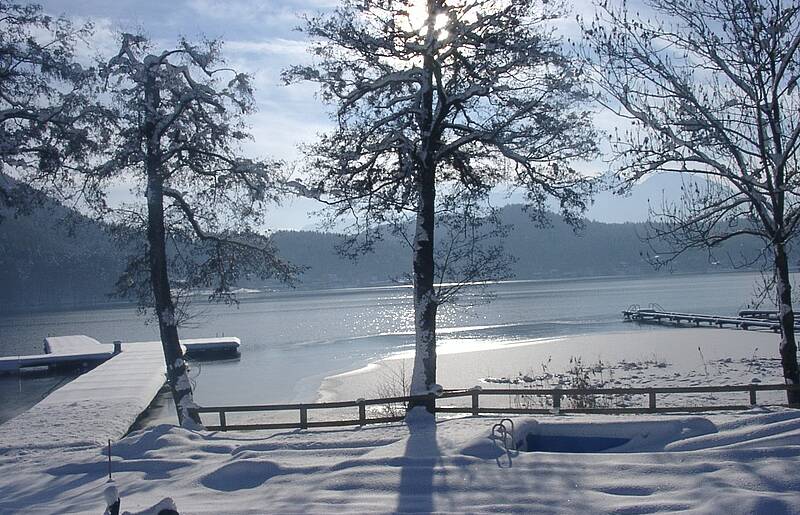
83	351
75	344
747	319
61	351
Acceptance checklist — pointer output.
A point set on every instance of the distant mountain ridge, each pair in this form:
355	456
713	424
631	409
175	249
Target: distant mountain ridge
42	265
556	251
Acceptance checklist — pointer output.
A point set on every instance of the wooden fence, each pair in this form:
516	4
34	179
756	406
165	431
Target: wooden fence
555	394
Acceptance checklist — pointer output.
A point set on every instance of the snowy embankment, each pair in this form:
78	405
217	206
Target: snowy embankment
640	358
724	463
93	408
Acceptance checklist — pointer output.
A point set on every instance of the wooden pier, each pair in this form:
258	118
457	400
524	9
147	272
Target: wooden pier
101	404
747	319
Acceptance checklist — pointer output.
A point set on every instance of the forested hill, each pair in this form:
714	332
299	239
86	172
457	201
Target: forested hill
41	264
53	257
541	252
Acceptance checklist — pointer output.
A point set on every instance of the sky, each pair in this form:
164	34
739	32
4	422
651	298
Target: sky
260	39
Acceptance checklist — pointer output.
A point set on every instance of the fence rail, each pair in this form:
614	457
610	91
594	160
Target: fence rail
555	394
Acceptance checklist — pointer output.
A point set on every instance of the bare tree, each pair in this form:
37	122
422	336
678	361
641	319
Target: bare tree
47	117
438	96
177	125
711	90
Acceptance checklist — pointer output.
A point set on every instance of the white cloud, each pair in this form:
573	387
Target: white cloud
282	14
278	133
276	46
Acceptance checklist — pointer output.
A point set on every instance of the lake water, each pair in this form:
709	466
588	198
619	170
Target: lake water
292	340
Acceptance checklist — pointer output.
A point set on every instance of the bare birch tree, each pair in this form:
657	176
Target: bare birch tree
47	116
433	96
177	125
710	86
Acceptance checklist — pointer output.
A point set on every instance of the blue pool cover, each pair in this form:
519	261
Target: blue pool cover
559	443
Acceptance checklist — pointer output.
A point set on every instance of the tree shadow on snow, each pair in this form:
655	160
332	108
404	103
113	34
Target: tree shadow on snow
418	468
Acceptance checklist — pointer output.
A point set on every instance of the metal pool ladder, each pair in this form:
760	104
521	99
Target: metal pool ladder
502	431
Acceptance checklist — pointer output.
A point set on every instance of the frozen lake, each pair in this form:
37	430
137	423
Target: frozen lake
292	340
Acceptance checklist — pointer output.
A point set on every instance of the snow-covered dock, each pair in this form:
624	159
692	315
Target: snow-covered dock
81	350
101	404
74	344
10	364
219	345
658	316
76	350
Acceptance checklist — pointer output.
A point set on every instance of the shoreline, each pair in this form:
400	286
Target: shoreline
678	351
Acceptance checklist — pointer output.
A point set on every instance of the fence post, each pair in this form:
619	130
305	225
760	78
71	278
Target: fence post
752	396
652	401
222	422
362	412
431	402
556	400
303	418
475	400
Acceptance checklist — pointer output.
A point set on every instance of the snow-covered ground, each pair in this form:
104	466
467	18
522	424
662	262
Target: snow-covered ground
734	462
648	357
725	463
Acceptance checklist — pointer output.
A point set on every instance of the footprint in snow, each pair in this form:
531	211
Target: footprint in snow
241	475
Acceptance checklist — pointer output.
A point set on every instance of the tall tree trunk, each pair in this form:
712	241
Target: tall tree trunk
788	348
177	375
425	302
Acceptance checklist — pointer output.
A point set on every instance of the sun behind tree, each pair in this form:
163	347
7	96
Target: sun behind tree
431	118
